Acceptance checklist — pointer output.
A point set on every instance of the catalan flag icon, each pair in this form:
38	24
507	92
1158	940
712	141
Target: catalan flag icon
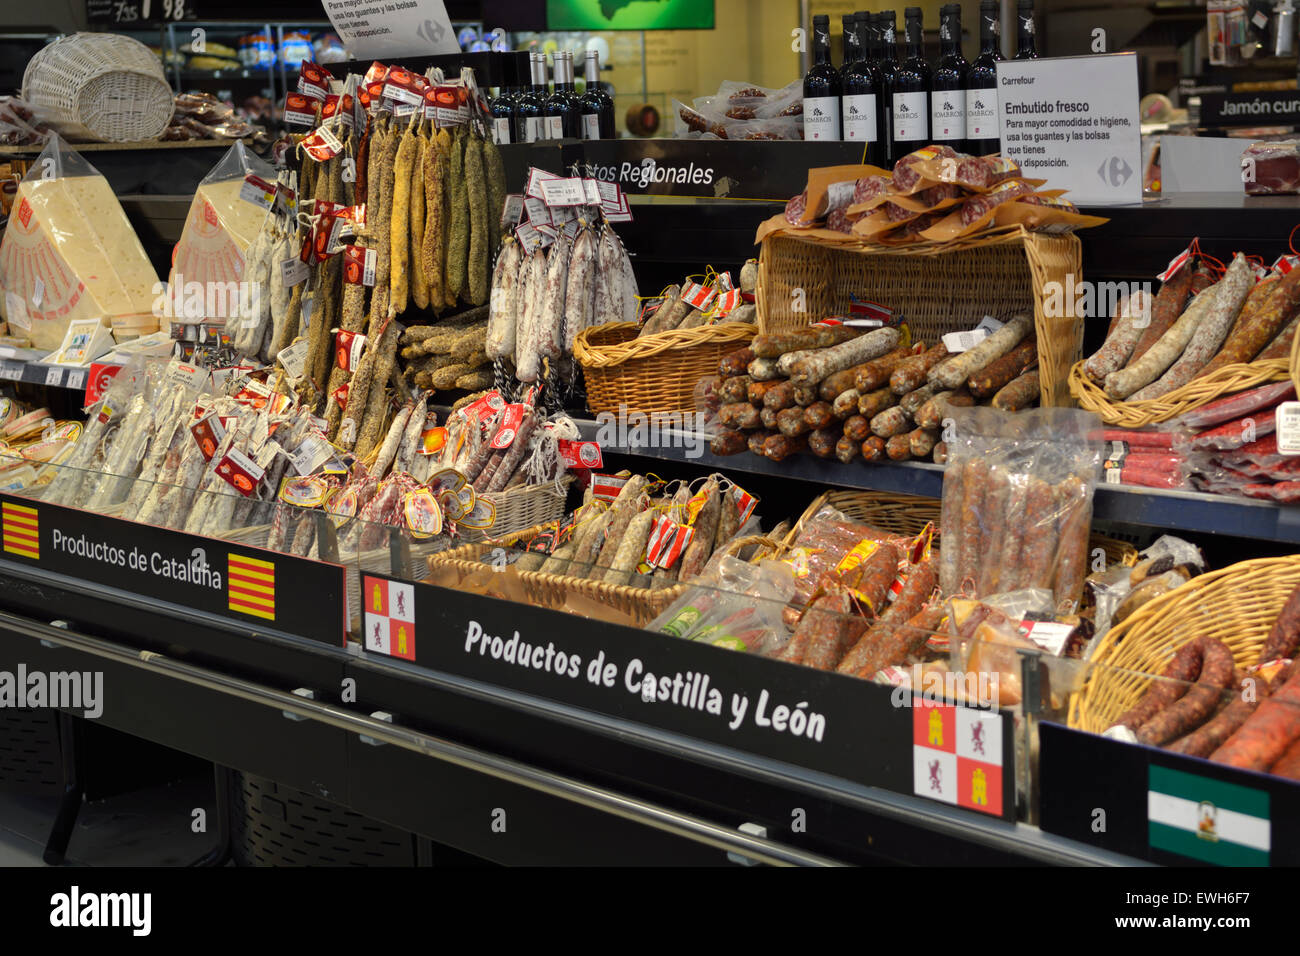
22	533
251	586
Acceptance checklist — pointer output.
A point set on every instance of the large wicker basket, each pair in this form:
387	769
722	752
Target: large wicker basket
937	289
652	373
1237	605
522	507
553	590
907	515
99	86
1198	392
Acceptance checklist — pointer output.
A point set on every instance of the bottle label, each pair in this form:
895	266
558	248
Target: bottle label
860	117
911	116
532	129
591	126
947	115
982	113
501	131
821	117
554	127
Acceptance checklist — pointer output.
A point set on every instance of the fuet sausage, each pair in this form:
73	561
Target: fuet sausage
814	368
822	442
873	448
871	404
1163	354
857	427
1133	315
954	372
911	373
1168	306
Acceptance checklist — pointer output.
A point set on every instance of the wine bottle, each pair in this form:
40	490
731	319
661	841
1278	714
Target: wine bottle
910	91
597	105
563	112
1025	47
948	86
887	29
860	84
529	103
821	88
982	137
502	109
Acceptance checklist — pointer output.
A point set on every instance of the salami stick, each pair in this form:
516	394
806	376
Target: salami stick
814	368
518	448
865	657
955	371
1168	306
988	380
997	519
774	345
911	373
1284	637
1072	560
831	628
1164	353
974	486
1250	336
1133	316
1039	543
950	528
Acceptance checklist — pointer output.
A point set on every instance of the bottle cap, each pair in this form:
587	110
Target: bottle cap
912	12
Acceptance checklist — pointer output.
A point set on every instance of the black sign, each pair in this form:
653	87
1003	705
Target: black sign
855	729
1111	810
714	168
1269	108
261	589
131	14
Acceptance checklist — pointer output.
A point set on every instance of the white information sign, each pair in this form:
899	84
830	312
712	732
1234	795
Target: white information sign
1074	122
383	29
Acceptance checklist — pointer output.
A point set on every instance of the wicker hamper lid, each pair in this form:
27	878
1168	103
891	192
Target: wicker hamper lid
99	86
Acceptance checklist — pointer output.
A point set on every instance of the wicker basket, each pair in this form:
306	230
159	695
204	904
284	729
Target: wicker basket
652	373
1198	392
937	289
99	86
1237	605
552	590
520	508
907	515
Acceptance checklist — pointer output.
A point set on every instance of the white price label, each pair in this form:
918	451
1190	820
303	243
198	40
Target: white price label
989	324
257	191
293	270
535	179
564	192
592	188
11	371
76	379
38	292
54	376
16	312
311	454
513	211
294	359
956	342
538	214
1288	428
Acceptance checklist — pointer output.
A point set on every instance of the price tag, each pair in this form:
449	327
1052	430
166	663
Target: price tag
54	376
257	191
294	359
313	452
580	454
293	270
563	192
529	237
535	179
956	342
11	371
592	188
16	312
513	211
1259	20
76	378
1175	264
38	292
538	214
1288	428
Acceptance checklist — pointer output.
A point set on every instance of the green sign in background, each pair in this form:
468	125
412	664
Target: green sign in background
629	14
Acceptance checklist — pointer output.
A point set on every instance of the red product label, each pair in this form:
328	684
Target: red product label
1176	263
97	381
240	472
322	145
485	407
340	395
580	454
208	432
300	110
347	349
359	265
606	487
25	212
505	436
313	80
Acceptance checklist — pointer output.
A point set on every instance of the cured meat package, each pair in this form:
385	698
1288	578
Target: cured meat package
1017	502
69	253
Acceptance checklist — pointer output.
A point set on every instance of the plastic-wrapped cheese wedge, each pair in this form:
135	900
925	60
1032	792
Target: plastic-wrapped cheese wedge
218	231
70	253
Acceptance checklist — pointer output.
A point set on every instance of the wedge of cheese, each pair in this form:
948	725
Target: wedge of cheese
70	253
218	231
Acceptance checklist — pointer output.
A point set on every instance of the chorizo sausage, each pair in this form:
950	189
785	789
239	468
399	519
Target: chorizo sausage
869	655
872	375
1142	372
739	415
846	449
780	397
735	363
974	486
1018	394
1072	549
1193	707
845	404
1268	732
735	389
832	628
838	382
873	448
1210	736
917	397
1164	690
763	370
773	345
897	643
899	447
819	415
1250	336
767	417
781	447
757	390
729	441
921	441
1168	306
857	427
992	377
1284	636
941	453
757	438
950	527
911	373
871	404
790	421
822	442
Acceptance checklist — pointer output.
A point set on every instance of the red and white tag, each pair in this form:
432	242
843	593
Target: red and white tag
485	407
866	309
322	145
745	503
1176	264
535	179
313	80
662	535
299	110
538	212
727	301
257	191
208	432
348	347
240	472
606	487
699	296
1285	264
403	86
505	436
580	454
359	265
563	192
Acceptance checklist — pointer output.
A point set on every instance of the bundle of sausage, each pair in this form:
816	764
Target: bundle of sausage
733	604
1193	327
1017	503
743	111
646	536
544	295
835	392
692	304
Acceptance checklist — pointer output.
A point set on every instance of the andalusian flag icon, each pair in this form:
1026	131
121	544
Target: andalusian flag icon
252	586
390	617
1207	819
22	533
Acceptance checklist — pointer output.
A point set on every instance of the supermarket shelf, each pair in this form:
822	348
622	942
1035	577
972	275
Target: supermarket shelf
39	373
1172	510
